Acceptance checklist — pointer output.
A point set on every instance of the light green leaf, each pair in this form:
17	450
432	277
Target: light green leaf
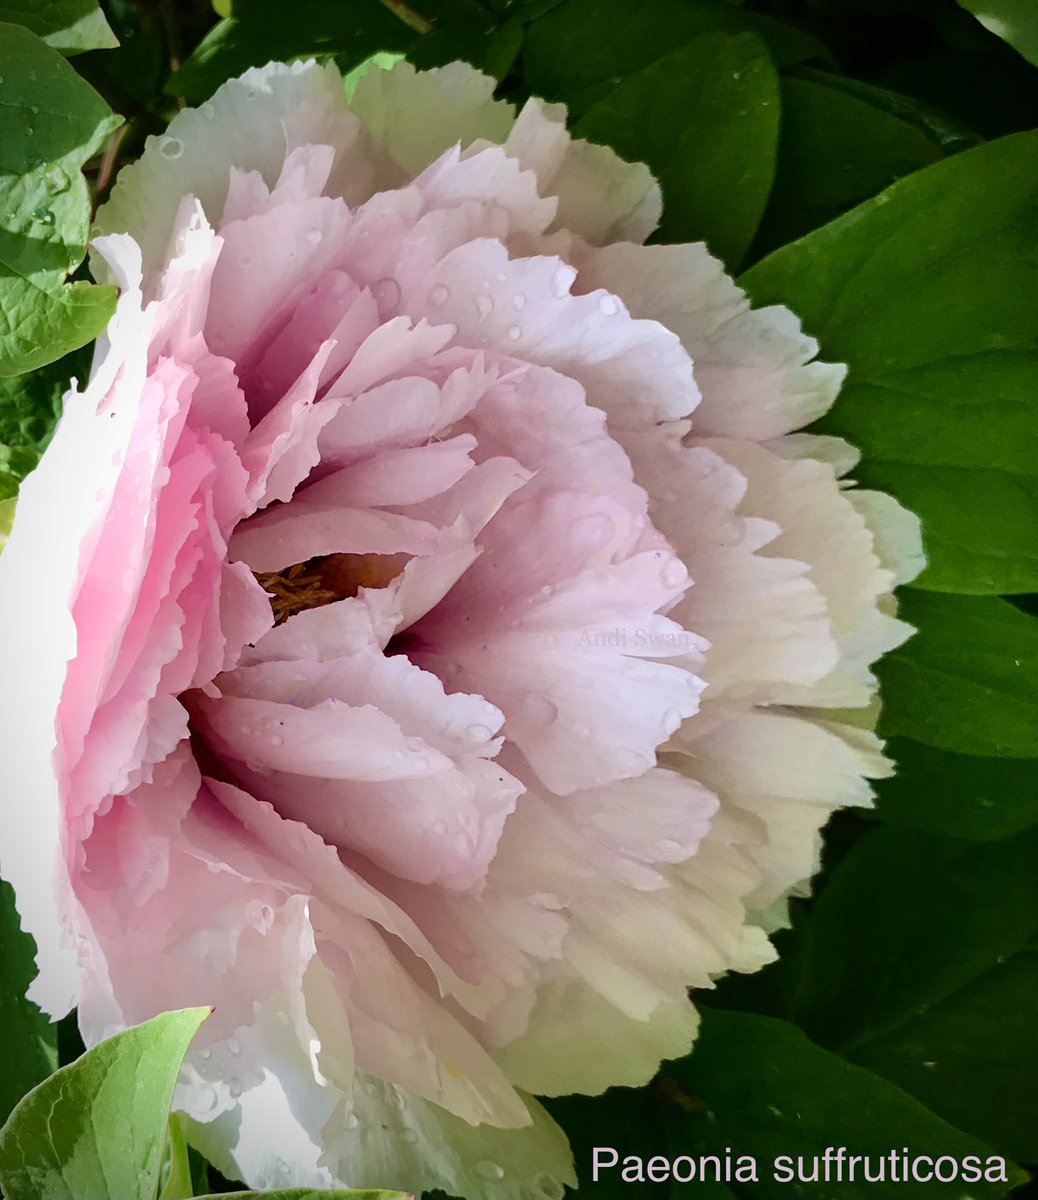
757	1086
52	123
1014	21
68	26
958	795
706	121
926	291
176	1170
30	1040
966	682
96	1129
911	935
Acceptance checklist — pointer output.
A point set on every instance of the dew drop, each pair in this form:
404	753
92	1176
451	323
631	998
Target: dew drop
245	261
205	1053
484	306
515	333
538	708
350	1120
477	733
409	1136
208	111
548	1187
386	293
608	306
490	1170
439	295
670	849
276	739
171	148
43	216
233	1045
562	281
34	109
206	1100
673	573
314	237
519	302
234	1087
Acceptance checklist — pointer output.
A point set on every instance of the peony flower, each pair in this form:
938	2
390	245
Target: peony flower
444	651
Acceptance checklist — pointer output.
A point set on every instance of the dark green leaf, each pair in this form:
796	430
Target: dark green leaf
258	33
959	795
579	50
68	26
973	1056
705	119
756	1086
52	123
835	150
966	682
1016	21
95	1130
15	463
30	1040
927	291
913	962
31	404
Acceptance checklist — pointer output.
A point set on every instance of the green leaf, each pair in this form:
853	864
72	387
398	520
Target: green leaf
175	1173
30	1040
912	935
68	26
308	1194
580	50
52	123
258	33
966	681
925	292
1015	21
959	795
706	120
30	404
757	1086
835	150
96	1129
15	463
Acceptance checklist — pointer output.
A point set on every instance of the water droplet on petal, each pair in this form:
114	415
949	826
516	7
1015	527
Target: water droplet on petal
515	333
314	237
477	733
204	1101
43	216
245	261
608	306
670	849
519	302
409	1136
547	1187
350	1120
208	111
490	1170
484	306
276	739
233	1045
673	573
234	1087
439	295
171	148
562	281
387	294
204	1053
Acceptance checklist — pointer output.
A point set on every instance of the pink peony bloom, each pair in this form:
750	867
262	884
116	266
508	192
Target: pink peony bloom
437	633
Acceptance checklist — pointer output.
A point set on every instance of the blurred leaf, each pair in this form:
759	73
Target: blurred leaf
95	1130
580	50
68	26
30	1040
258	33
757	1086
176	1169
966	682
308	1194
835	150
911	936
706	120
1015	21
50	123
925	291
958	795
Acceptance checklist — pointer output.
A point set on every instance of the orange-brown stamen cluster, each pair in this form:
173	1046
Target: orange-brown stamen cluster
324	580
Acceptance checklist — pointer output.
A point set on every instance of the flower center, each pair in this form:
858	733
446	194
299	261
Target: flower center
325	579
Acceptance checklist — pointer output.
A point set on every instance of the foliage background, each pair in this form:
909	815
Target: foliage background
866	162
